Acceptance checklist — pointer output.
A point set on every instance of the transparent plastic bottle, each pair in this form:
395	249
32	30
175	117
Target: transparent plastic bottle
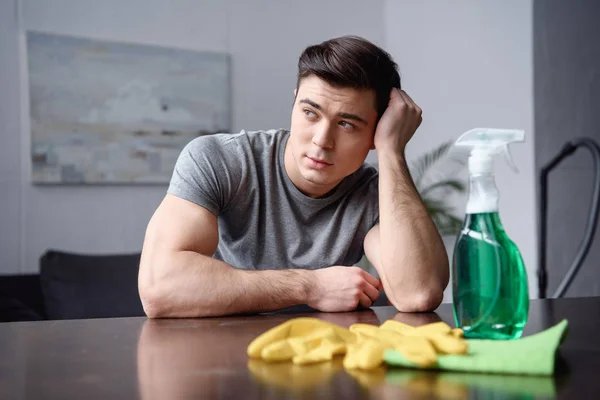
489	279
490	293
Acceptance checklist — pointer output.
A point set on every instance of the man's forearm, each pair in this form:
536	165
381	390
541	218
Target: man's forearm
413	259
194	285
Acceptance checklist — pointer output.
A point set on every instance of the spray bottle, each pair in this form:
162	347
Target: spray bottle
489	280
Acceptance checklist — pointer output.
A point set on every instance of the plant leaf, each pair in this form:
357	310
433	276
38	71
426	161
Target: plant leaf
435	206
452	183
448	224
427	160
434	195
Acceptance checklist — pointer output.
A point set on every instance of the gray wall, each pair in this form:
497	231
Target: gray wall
469	63
567	105
10	151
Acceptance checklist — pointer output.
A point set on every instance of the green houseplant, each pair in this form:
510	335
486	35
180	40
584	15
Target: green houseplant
437	185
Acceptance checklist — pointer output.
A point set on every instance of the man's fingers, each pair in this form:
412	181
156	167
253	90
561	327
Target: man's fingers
407	99
371	291
370	278
410	102
413	106
365	301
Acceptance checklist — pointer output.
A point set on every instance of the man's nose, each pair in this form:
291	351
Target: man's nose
323	136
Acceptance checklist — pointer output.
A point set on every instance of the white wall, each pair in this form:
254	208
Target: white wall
469	63
264	39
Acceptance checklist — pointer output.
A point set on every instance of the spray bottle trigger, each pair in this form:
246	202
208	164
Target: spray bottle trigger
509	159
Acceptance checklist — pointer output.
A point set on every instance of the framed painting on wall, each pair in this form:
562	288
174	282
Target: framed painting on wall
114	113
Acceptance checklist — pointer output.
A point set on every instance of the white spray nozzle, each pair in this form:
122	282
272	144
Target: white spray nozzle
486	142
509	159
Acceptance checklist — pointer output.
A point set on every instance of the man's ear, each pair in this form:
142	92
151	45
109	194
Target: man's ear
295	92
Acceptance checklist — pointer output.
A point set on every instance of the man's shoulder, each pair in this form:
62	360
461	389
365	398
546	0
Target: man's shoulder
369	168
367	171
365	181
220	142
261	138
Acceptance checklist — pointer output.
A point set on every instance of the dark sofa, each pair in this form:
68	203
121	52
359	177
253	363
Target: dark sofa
76	286
73	286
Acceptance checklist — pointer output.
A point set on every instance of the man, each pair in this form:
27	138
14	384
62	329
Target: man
259	221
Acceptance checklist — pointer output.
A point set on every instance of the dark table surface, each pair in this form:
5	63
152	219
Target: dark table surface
206	358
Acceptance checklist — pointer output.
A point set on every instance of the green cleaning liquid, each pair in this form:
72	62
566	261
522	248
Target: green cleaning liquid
490	293
489	280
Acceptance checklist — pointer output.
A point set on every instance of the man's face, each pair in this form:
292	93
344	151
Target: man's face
331	134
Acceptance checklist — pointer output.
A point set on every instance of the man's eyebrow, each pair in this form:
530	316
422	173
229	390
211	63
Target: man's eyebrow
353	117
310	103
344	115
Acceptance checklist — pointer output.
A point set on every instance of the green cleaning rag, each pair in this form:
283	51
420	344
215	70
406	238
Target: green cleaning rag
532	355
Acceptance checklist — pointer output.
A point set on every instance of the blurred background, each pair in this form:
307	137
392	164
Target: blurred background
527	64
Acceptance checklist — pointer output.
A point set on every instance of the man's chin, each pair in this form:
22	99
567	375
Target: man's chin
320	182
316	178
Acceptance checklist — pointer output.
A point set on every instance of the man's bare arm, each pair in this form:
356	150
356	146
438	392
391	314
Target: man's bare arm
179	278
406	247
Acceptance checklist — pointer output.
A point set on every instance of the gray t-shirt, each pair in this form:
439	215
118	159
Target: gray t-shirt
265	222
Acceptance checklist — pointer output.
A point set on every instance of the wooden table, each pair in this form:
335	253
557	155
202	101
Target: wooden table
206	358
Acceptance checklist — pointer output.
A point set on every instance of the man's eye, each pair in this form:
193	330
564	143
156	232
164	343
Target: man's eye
346	125
309	113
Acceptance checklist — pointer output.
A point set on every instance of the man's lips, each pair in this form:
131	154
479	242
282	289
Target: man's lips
317	163
319	160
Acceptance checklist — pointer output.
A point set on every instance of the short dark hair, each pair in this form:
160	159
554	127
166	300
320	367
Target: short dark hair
352	61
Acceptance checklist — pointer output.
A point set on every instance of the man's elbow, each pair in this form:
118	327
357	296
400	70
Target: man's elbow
426	300
152	294
152	302
158	301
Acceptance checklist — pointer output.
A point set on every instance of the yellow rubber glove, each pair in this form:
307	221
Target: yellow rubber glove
420	345
302	340
310	340
444	339
373	341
